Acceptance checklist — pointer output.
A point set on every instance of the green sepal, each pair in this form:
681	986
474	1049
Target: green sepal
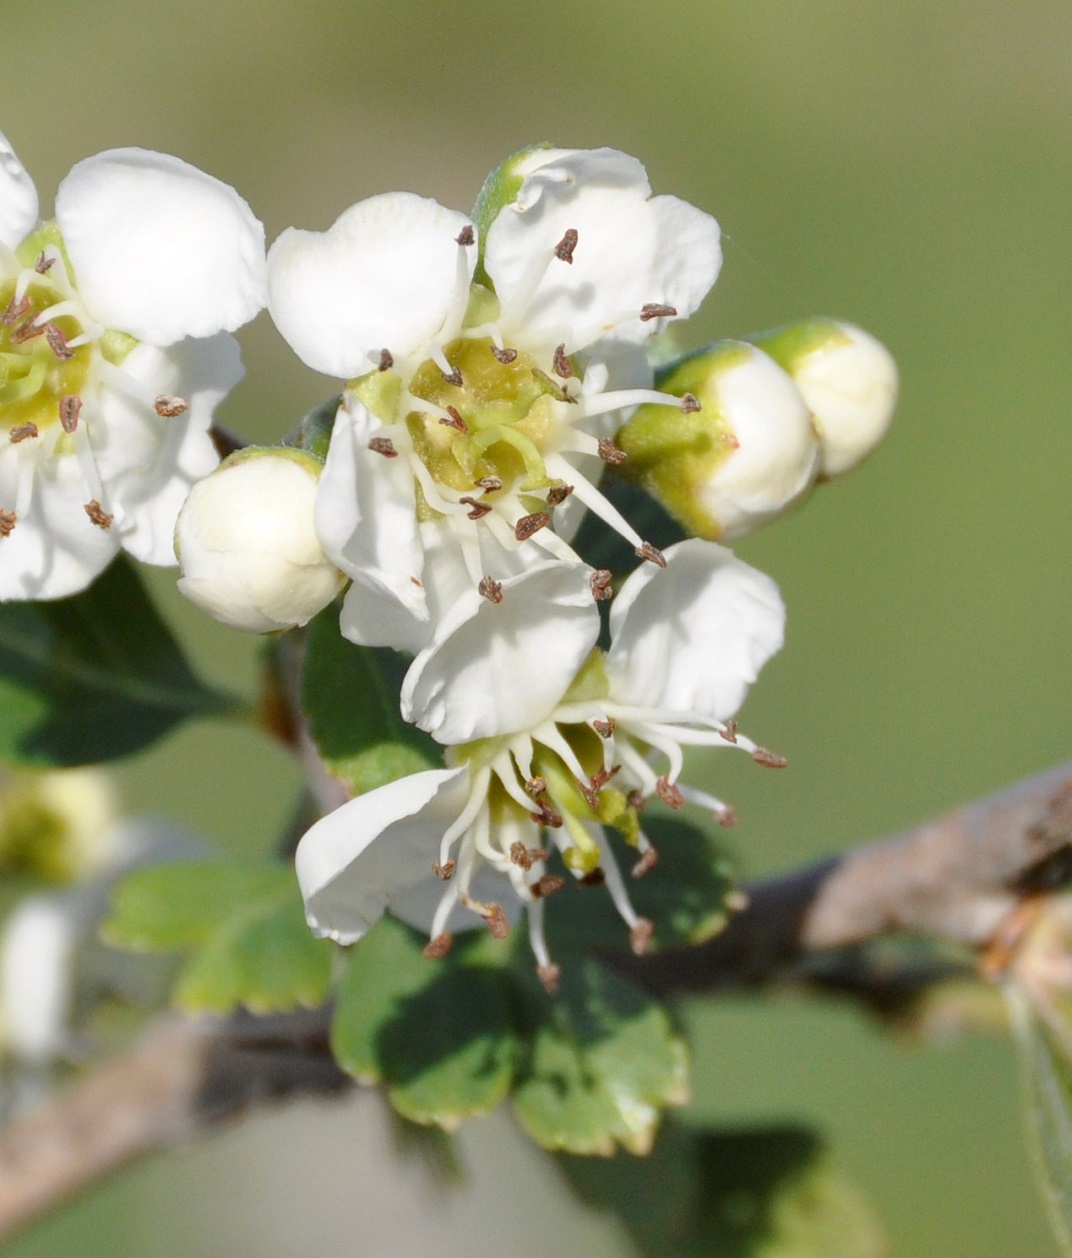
350	699
603	1063
790	345
312	432
437	1033
94	677
498	190
242	926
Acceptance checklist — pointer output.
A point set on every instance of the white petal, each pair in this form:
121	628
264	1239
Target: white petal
354	861
498	668
416	906
54	549
691	637
18	198
383	276
149	462
366	519
160	249
37	956
632	250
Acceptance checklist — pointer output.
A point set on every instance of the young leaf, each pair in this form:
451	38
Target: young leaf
242	926
603	1064
350	697
93	677
438	1033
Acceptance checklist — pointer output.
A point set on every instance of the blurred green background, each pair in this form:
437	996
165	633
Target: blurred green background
905	166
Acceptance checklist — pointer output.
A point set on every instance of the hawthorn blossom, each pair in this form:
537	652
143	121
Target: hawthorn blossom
488	359
549	742
114	352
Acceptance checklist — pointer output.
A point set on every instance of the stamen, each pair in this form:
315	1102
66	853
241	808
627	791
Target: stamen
604	728
769	759
489	588
477	509
387	360
465	237
556	390
601	582
444	871
723	813
70	409
22	432
616	886
437	948
594	878
495	917
669	793
690	404
57	342
168	406
729	732
505	356
653	310
25	332
453	377
17	307
558	494
640	937
565	247
546	885
636	800
652	554
490	484
98	515
562	365
549	976
526	857
547	816
648	860
453	419
8	520
530	524
384	446
547	972
610	452
44	263
536	787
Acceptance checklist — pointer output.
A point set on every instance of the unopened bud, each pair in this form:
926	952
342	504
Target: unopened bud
246	543
742	459
849	381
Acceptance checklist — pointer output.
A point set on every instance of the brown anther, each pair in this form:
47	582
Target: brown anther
168	407
601	581
453	419
635	799
561	363
384	446
505	356
652	554
8	520
477	510
604	728
530	524
558	391
727	817
490	484
611	453
526	857
558	494
98	515
690	404
640	937
730	731
535	787
595	784
43	264
549	976
57	342
565	247
26	332
488	588
547	885
444	871
22	432
653	310
547	816
769	759
70	409
15	311
670	793
594	878
646	863
495	918
737	900
465	236
438	947
454	378
387	360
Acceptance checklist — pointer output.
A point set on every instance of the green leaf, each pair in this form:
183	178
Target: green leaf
93	677
684	895
604	1062
350	697
1047	1068
438	1033
766	1193
243	927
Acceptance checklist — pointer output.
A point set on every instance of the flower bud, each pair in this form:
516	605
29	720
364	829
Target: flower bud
849	381
739	461
246	544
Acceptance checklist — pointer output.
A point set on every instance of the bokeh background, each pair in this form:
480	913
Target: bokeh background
906	166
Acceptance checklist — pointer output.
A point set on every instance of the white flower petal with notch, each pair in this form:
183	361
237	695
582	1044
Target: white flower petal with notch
18	197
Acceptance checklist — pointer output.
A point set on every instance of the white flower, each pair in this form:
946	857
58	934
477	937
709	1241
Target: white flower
484	398
554	768
246	544
113	355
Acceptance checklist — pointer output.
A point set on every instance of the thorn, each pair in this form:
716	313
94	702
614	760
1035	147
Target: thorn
611	453
70	409
549	976
646	863
653	310
530	524
652	554
384	446
505	356
466	236
561	364
168	407
22	432
387	360
488	588
438	947
769	759
8	520
601	582
98	515
444	871
565	247
640	937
